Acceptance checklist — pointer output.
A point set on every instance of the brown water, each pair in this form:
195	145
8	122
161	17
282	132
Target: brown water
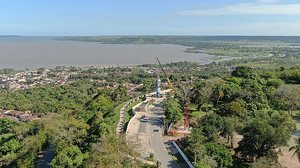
21	54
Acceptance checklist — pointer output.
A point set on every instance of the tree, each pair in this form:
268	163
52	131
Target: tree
220	153
264	134
291	75
218	94
196	144
173	112
9	147
183	94
231	91
296	148
259	140
235	108
243	72
288	98
113	152
68	158
201	93
212	126
6	125
276	83
101	104
119	93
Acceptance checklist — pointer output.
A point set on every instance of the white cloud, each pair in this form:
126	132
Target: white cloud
247	9
268	1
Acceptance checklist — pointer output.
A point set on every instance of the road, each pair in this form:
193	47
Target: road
155	136
148	136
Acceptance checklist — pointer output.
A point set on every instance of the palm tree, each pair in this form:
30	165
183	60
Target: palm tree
183	94
296	148
218	94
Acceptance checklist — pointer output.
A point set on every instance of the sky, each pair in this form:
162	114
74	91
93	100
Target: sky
149	17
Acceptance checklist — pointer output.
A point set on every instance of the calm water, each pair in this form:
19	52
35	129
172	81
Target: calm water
21	53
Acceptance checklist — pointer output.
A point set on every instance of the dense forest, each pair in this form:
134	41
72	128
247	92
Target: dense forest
257	105
78	120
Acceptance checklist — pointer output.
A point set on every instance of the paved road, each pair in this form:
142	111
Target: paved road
155	130
147	140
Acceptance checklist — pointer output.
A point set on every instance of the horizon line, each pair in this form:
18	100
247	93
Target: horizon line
221	35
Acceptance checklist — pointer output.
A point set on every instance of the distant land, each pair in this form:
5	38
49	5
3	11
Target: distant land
178	39
8	36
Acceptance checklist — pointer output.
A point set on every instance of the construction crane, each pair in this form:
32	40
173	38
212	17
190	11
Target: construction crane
187	111
165	74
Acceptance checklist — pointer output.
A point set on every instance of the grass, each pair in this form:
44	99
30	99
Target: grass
129	114
116	116
196	114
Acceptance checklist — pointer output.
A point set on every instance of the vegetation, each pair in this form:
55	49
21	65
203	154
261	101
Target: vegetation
252	103
172	110
75	118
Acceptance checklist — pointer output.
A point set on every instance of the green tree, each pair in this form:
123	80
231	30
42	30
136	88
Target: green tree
217	95
183	94
235	108
6	125
276	83
220	153
288	98
101	104
196	144
119	93
265	134
113	152
201	93
173	111
243	72
213	126
70	157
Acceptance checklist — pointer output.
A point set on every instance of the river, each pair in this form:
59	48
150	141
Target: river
36	52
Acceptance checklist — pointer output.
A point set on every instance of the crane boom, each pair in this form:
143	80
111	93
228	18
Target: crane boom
165	74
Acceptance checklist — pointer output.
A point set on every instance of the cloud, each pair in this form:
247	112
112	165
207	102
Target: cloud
247	9
268	1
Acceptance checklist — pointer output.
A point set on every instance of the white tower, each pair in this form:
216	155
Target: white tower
158	83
